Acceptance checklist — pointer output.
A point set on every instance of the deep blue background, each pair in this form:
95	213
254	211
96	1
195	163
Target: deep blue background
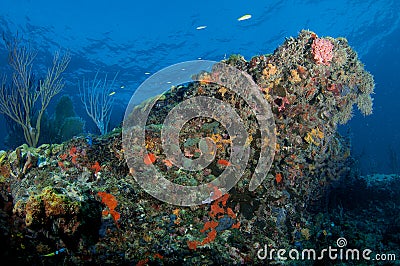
135	37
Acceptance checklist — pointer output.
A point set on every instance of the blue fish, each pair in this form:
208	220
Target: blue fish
62	250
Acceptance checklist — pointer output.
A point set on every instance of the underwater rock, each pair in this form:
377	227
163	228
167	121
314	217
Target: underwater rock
81	195
61	216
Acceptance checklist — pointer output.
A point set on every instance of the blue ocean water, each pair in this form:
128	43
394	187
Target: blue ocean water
137	39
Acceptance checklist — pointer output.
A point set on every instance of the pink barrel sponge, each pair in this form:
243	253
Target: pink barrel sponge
322	51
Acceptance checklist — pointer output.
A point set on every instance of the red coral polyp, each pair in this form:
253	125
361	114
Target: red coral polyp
111	202
96	167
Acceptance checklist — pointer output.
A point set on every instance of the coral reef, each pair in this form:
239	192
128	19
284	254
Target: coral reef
80	196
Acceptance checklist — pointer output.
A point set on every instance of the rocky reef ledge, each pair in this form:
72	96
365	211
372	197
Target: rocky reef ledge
78	202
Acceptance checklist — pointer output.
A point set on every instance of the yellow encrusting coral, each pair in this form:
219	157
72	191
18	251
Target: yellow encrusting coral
49	205
269	71
294	76
311	137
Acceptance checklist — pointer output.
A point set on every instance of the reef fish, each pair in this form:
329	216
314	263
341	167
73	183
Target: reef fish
244	17
55	253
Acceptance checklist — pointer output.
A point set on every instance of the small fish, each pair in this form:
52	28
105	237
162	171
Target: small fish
149	158
122	87
244	17
111	93
55	253
147	73
201	27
